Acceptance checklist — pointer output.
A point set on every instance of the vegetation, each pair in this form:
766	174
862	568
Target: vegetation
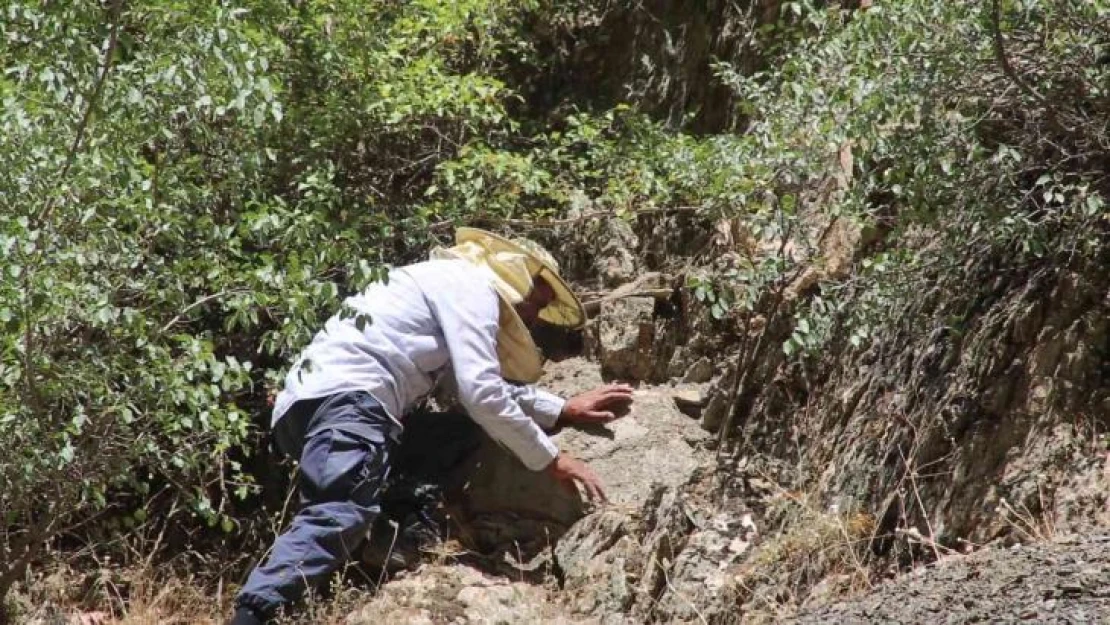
187	188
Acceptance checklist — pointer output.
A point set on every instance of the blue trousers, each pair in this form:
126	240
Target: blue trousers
344	442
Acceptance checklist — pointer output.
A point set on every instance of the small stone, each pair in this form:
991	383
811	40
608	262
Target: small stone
690	402
747	523
1071	588
714	413
738	546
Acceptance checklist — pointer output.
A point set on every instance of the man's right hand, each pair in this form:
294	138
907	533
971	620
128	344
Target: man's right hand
568	470
599	405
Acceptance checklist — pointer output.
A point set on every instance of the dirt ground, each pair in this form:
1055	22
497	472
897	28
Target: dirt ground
1067	581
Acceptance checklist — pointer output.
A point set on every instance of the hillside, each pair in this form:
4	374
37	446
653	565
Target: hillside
853	256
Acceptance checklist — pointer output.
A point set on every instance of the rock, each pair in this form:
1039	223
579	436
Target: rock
458	594
593	557
701	568
701	371
413	616
689	401
997	585
713	415
615	262
630	454
509	505
613	563
602	249
622	336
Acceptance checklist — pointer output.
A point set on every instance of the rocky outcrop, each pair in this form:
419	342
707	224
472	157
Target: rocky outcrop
623	340
982	431
655	445
657	545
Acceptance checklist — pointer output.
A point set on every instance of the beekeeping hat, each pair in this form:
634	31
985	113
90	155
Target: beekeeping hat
511	266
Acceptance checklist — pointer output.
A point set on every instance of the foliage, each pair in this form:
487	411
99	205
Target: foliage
953	131
185	189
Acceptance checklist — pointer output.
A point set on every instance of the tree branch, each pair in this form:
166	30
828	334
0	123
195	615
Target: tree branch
199	302
1004	61
98	88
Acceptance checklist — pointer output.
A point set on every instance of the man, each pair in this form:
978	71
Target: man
463	315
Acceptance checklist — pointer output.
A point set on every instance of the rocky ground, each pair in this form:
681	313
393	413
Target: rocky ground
549	559
1065	581
672	547
459	593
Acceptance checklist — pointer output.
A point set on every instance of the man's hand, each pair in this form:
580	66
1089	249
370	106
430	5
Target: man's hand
568	470
597	405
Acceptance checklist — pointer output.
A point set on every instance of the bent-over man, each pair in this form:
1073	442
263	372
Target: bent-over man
464	314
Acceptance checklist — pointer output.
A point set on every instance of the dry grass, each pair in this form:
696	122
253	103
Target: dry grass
135	596
817	547
144	596
1033	527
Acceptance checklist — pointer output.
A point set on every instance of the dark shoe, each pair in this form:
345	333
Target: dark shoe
246	616
387	549
394	545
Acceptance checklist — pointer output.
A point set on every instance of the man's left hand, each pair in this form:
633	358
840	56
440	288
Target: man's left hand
599	405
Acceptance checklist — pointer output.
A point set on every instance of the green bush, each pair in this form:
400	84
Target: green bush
186	189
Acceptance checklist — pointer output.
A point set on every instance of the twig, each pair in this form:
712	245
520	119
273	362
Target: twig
554	223
744	362
1004	61
389	553
22	553
199	302
912	470
1019	82
161	534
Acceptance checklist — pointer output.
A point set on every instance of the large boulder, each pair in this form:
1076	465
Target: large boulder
654	444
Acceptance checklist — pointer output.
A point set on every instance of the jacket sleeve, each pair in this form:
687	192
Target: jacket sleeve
468	317
543	407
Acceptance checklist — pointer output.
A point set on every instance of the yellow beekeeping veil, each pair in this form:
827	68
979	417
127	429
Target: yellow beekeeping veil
511	267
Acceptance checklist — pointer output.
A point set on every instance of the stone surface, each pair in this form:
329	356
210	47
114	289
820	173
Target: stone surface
459	594
594	557
717	403
689	400
1060	582
615	261
701	371
651	445
622	336
612	561
699	574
